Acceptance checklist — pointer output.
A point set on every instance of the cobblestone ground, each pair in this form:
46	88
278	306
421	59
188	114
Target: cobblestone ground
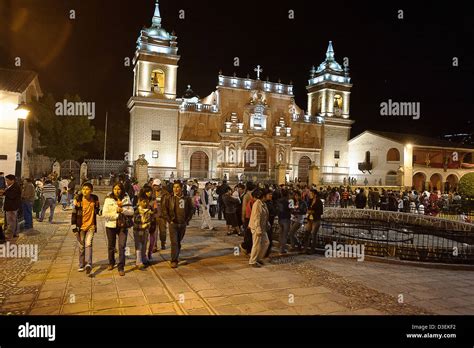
217	281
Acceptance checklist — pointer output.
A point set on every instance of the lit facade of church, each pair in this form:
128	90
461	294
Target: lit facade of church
245	127
249	128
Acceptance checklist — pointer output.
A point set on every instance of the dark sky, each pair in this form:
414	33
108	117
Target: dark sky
403	60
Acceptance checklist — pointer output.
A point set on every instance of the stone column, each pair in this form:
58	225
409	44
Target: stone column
57	169
280	174
83	173
140	169
313	175
408	166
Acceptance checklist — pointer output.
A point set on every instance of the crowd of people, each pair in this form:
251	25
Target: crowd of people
159	209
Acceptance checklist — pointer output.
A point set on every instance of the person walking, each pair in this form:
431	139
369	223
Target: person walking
49	197
258	225
84	224
298	212
27	199
315	211
141	226
117	211
230	211
247	203
177	210
11	205
284	215
159	195
205	200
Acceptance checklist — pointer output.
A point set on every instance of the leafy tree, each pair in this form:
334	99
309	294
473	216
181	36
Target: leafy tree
61	137
466	185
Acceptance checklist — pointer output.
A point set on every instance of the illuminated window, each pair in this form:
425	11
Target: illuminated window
338	101
155	135
158	81
154	154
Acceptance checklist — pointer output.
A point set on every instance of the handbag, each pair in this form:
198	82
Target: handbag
124	221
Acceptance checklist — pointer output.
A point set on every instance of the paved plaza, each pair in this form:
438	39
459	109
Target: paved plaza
216	280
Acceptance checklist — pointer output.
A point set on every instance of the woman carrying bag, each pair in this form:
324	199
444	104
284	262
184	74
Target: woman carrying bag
118	212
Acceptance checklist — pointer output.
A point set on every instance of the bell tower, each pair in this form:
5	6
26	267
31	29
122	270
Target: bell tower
154	111
329	90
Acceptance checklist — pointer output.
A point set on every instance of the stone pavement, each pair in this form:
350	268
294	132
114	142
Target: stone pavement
217	281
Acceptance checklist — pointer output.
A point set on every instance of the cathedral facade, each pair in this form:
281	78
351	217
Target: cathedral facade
246	128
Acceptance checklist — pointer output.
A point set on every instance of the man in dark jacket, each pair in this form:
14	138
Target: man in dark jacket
361	200
284	215
221	190
12	204
177	210
315	211
28	197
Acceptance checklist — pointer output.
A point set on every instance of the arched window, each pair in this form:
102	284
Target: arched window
338	104
158	81
393	155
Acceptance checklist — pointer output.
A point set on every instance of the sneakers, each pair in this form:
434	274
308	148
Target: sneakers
174	264
88	269
81	269
255	265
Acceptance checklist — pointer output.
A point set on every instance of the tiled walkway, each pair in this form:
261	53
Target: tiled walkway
217	281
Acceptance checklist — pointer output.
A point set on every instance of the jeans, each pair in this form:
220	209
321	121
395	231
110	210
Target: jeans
12	222
51	204
161	224
85	239
112	234
284	230
141	239
312	230
27	208
293	229
177	232
221	210
259	247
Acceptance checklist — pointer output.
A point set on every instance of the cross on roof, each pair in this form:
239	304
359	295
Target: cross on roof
259	70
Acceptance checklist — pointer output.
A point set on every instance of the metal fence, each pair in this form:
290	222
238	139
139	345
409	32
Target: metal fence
97	167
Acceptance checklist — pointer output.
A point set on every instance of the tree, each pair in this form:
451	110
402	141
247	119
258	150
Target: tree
466	185
61	137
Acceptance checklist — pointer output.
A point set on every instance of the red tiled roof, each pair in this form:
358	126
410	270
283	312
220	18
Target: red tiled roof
16	81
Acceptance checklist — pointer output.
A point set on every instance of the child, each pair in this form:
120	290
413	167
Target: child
84	224
196	200
141	227
64	200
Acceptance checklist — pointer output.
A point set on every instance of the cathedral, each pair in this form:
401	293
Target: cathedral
246	128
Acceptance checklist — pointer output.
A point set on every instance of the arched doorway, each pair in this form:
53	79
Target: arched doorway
436	182
256	159
70	168
303	168
419	180
451	183
199	165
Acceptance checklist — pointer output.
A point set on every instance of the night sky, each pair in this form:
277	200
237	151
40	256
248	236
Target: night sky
403	60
